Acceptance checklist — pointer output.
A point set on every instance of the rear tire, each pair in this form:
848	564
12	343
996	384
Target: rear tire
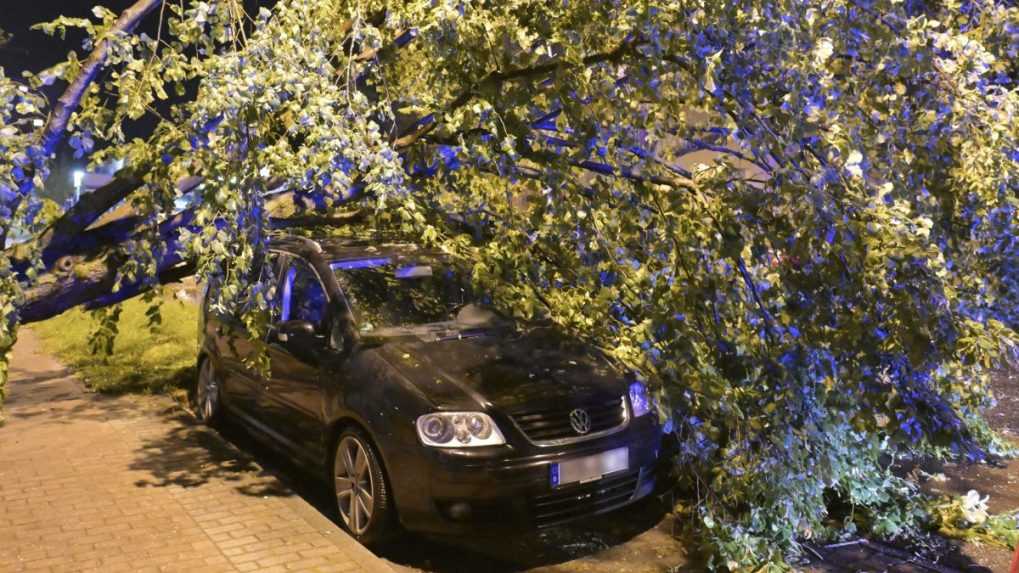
208	395
362	493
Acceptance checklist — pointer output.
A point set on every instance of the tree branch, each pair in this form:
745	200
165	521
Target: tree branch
84	271
87	210
420	128
69	233
76	280
544	158
69	101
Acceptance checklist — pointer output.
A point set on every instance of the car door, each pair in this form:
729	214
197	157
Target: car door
242	383
293	397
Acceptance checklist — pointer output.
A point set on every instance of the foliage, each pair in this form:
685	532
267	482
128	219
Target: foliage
140	359
21	115
966	517
797	219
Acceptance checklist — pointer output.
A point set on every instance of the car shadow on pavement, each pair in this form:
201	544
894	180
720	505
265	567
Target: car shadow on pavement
184	453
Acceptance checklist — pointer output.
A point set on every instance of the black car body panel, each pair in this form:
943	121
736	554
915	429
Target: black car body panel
527	380
511	372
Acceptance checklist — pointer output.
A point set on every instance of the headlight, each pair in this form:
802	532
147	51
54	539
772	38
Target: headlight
459	430
640	399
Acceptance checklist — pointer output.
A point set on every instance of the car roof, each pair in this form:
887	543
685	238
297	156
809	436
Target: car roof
339	249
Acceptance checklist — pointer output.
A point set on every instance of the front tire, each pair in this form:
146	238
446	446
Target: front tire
208	395
362	493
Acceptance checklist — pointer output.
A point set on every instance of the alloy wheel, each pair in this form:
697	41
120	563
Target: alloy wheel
207	398
355	485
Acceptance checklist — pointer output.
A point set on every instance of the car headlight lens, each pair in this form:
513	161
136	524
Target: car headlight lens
435	429
459	430
640	399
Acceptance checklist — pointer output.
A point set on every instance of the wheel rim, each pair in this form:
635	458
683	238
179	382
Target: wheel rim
355	486
208	392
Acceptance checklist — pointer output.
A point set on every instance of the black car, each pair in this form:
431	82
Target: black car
429	410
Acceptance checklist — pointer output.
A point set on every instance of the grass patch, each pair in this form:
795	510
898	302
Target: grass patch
144	360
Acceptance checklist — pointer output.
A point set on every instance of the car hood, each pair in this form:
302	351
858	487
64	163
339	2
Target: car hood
512	371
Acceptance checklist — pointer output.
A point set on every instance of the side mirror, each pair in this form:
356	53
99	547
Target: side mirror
340	337
337	338
294	328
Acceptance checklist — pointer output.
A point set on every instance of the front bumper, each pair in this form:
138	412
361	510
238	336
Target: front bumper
509	487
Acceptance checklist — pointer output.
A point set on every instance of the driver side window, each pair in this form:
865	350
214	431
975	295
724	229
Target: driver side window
304	298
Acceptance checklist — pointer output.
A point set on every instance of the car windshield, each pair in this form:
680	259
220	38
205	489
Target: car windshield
387	293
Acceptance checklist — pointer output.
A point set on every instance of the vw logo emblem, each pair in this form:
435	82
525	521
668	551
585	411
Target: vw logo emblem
580	420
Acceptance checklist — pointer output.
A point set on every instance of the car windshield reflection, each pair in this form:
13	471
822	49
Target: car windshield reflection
403	296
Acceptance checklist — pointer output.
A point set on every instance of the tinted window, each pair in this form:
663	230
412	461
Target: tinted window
304	298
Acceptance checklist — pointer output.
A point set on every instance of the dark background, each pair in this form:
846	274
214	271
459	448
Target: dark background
33	50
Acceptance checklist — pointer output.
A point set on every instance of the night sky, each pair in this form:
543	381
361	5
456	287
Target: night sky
32	50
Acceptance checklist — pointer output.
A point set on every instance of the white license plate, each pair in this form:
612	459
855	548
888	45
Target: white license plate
590	468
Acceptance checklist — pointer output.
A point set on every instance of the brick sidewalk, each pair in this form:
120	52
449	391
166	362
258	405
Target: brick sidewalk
93	483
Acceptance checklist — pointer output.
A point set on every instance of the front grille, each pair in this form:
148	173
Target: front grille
576	501
554	425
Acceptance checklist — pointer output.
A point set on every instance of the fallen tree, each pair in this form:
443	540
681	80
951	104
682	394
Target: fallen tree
796	218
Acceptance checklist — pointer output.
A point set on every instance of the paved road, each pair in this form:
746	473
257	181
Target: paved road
92	483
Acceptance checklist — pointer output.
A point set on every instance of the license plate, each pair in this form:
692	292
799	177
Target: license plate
590	468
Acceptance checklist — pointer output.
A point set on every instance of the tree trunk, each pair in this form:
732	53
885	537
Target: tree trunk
89	278
84	271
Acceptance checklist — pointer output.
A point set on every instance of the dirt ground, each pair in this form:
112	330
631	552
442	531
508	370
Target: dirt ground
999	481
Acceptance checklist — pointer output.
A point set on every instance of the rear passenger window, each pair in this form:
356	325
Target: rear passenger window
304	298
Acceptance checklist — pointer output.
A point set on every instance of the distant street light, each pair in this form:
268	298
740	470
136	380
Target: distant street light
79	178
